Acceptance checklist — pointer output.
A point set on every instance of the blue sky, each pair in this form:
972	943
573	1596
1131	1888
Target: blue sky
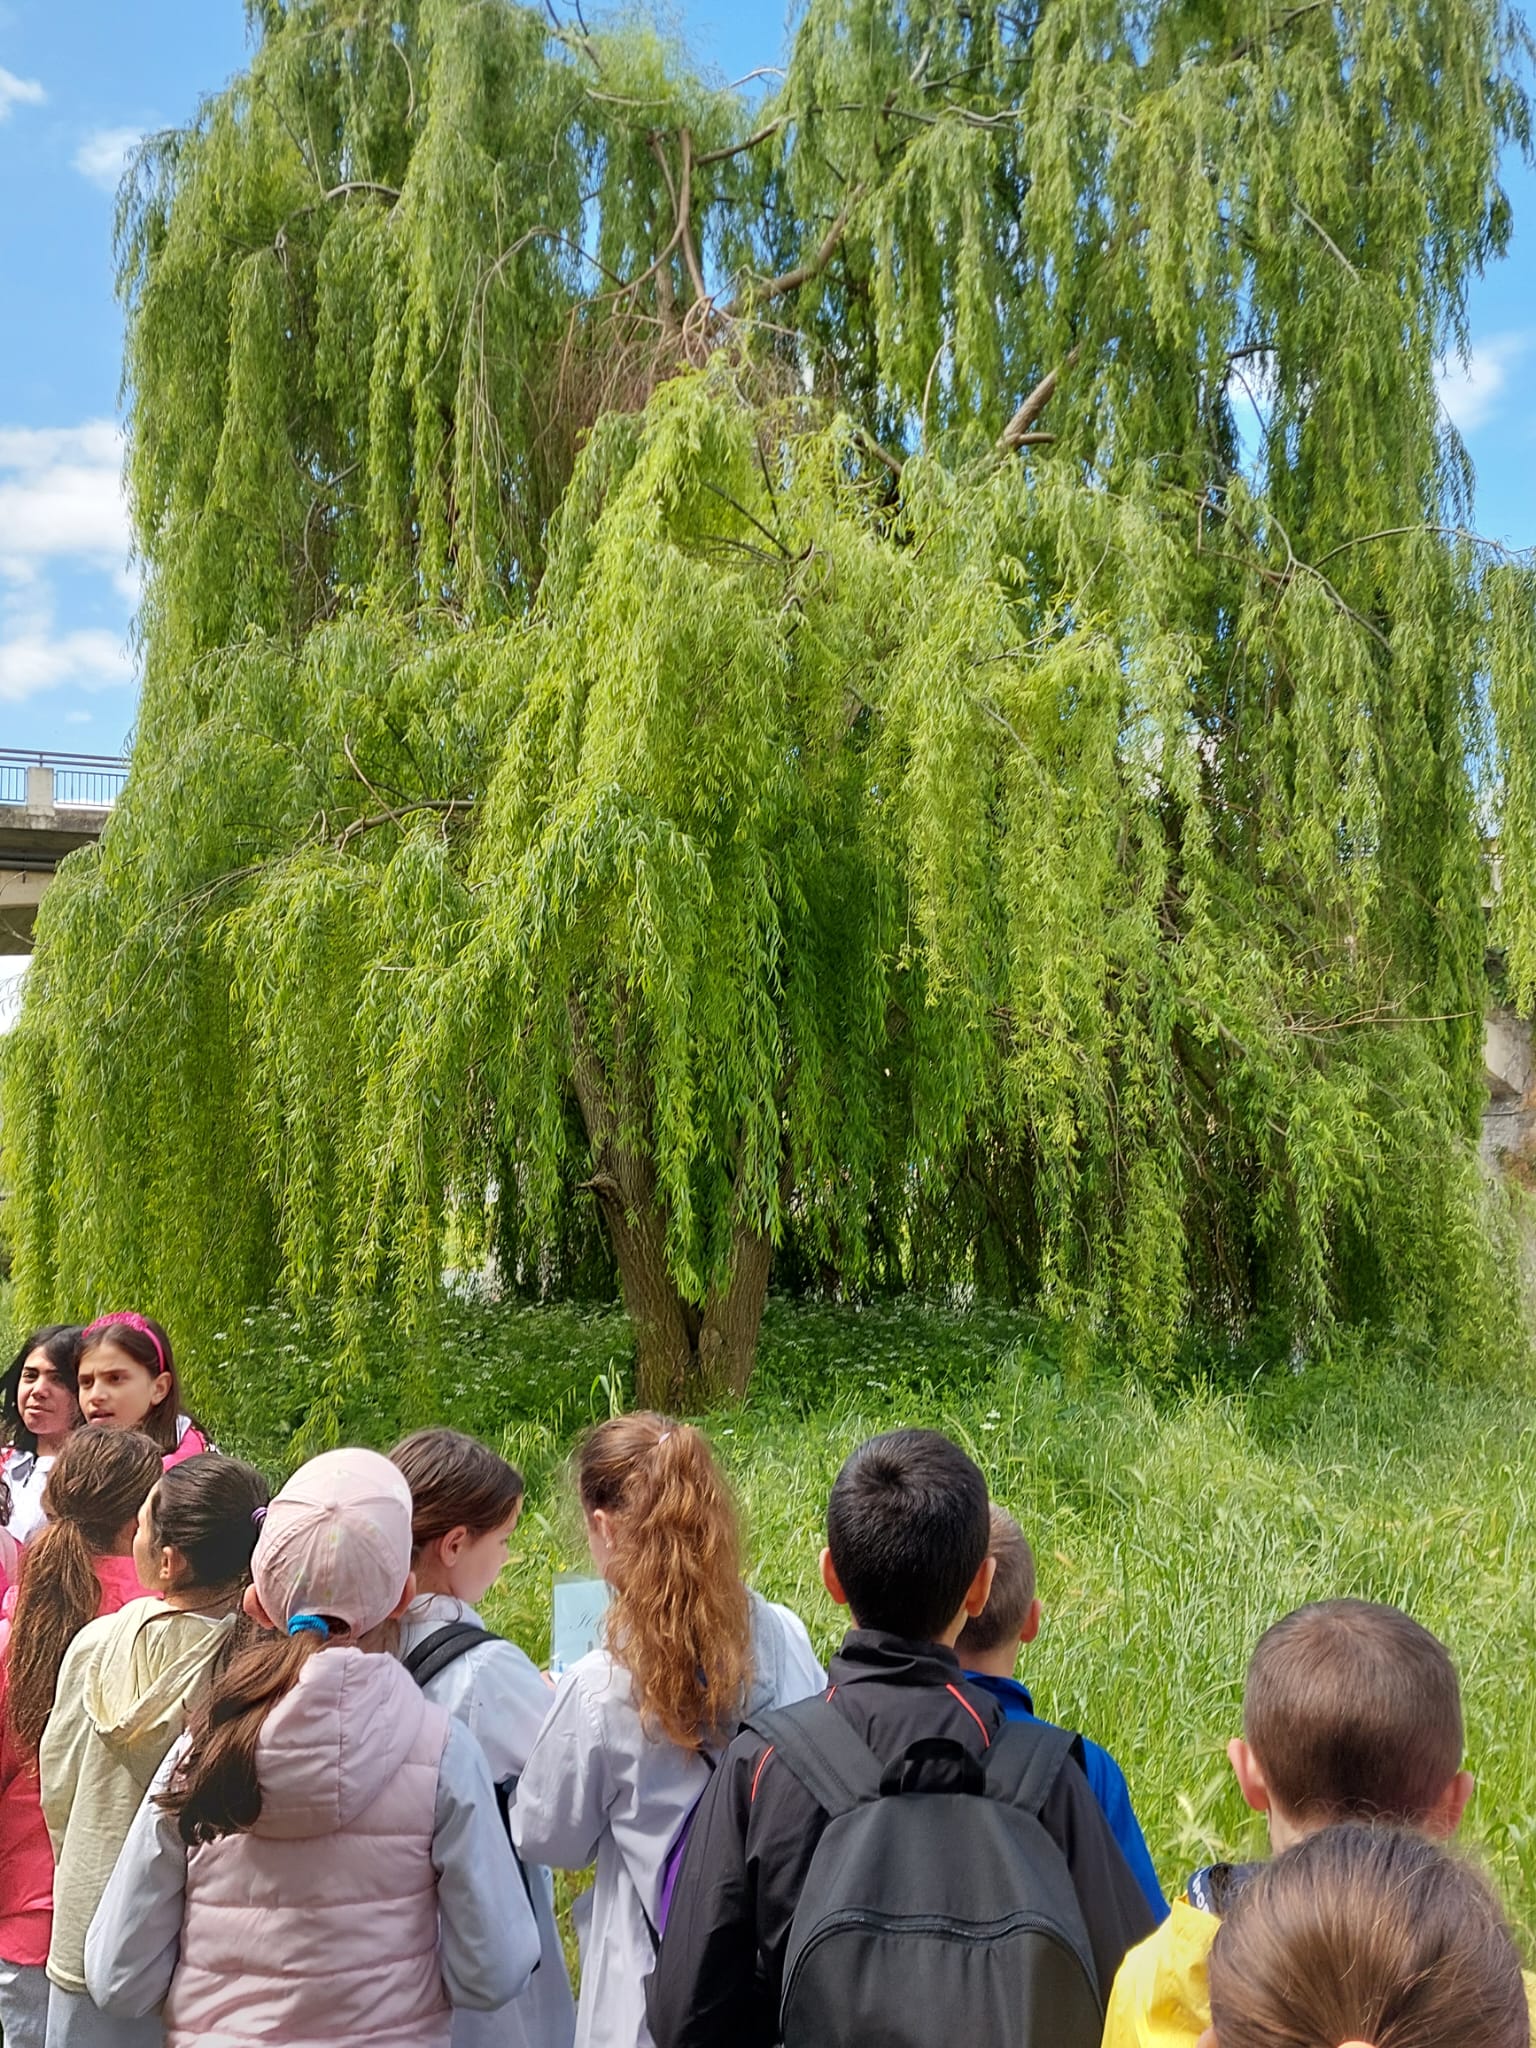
79	81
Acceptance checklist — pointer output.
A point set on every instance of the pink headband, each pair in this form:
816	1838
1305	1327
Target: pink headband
130	1321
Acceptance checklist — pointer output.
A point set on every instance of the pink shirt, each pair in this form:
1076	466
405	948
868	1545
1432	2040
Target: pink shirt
26	1854
188	1445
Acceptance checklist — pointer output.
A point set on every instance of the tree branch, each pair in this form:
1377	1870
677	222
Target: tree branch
720	156
389	192
1015	434
685	216
803	273
446	805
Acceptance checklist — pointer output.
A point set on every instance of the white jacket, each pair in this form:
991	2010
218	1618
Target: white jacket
502	1700
599	1788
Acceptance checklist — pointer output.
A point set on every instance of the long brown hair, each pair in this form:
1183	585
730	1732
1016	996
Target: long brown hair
679	1621
1367	1933
99	1481
456	1483
217	1790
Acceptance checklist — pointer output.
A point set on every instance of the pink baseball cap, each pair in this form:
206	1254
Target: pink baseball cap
336	1542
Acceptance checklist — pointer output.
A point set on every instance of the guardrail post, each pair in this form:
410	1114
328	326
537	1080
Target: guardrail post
40	790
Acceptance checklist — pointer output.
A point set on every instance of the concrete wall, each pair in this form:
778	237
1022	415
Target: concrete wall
1509	1121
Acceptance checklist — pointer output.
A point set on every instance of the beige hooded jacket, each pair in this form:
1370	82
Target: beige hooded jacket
124	1689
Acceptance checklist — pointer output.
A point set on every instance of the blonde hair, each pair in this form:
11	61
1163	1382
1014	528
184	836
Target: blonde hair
679	1622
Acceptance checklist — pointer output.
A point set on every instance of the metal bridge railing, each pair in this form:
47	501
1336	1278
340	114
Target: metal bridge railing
41	783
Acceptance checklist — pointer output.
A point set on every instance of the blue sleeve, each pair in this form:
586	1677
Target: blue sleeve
1109	1787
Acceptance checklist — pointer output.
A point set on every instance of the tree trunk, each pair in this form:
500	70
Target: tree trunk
733	1315
685	1359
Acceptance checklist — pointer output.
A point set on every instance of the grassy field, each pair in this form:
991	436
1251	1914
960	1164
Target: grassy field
1170	1529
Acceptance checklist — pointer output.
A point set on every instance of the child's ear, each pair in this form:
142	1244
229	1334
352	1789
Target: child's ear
980	1589
1029	1628
405	1598
831	1581
254	1611
1444	1817
1251	1781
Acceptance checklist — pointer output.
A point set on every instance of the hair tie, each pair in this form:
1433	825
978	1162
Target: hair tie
316	1623
258	1516
129	1320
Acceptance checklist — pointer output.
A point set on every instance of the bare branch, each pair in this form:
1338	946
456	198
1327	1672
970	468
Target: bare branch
446	805
720	156
803	273
1250	43
1465	533
1327	240
389	192
685	216
1013	435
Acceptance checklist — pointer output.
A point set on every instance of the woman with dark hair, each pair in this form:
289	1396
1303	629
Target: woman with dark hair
39	1407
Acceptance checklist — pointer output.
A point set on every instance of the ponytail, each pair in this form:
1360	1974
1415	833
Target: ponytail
101	1479
216	1790
680	1621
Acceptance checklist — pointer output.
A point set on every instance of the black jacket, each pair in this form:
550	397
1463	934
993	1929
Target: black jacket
720	1973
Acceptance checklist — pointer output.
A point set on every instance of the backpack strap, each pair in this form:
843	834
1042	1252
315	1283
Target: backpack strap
825	1752
1025	1760
445	1646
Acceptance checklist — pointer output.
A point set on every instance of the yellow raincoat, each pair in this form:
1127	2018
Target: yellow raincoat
1161	1998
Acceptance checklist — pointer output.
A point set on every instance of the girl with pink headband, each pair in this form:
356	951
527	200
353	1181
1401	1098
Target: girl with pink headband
127	1379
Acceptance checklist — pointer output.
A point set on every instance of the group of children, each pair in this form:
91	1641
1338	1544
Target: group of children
266	1777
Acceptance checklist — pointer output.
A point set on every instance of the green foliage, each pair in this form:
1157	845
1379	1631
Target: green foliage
1170	1529
645	729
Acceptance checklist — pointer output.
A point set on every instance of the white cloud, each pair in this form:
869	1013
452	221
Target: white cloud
61	507
38	657
1470	392
18	92
61	494
103	155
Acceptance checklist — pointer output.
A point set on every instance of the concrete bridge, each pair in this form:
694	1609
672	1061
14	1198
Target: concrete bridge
49	805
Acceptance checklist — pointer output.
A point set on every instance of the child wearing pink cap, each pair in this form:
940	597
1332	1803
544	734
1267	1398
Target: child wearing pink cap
321	1860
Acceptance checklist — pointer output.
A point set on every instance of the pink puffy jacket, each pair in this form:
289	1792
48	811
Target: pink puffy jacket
320	1925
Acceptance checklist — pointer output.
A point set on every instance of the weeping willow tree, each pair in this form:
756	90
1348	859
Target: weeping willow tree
895	674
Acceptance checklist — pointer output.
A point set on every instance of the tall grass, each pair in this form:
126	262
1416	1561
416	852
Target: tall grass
1170	1529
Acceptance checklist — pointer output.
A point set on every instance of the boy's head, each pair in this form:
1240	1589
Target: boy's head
990	1640
908	1536
1352	1711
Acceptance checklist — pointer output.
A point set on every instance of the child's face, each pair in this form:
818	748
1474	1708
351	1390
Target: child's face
46	1405
481	1561
116	1391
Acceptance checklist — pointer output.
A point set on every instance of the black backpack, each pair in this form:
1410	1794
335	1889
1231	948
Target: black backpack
936	1906
434	1653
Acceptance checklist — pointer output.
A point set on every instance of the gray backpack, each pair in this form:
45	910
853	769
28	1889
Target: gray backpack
936	1907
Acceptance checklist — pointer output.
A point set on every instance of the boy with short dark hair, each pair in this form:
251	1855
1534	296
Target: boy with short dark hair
988	1650
1351	1711
908	1535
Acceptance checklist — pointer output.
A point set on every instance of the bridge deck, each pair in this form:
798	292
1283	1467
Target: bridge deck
49	805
